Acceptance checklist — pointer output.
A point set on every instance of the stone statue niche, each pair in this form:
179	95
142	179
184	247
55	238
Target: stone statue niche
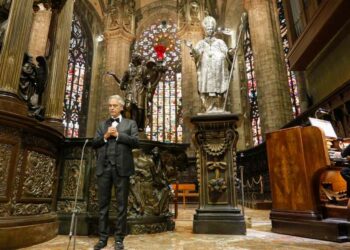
32	85
214	68
139	83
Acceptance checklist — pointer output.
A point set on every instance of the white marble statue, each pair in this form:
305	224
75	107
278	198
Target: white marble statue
213	60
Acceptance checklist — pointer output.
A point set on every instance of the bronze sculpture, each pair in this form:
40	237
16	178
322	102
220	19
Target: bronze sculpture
32	84
139	83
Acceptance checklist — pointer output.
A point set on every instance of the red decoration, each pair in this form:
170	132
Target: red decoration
160	50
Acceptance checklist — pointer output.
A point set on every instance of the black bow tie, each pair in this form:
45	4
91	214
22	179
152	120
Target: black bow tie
114	120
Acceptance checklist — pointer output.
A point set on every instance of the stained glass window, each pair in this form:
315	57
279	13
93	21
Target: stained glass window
76	95
252	90
165	123
291	75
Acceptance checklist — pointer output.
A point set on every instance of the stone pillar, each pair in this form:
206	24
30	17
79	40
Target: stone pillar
39	33
118	44
58	65
216	138
271	75
11	57
190	96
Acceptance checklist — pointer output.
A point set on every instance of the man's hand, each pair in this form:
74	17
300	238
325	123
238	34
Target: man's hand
112	131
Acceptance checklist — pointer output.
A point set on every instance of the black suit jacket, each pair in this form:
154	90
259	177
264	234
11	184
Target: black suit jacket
127	140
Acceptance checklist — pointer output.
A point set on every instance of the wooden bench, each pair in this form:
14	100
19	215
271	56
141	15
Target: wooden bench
184	190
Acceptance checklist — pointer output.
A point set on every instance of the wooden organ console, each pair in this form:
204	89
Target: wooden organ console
308	193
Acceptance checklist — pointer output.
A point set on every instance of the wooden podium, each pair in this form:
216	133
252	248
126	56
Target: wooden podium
297	158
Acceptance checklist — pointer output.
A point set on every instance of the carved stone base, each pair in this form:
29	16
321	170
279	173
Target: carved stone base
219	222
17	232
150	224
216	138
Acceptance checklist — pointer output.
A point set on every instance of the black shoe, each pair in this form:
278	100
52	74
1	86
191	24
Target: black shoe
101	244
119	245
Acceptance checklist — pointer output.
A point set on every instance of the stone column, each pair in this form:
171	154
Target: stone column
11	57
118	44
271	75
39	33
190	96
58	65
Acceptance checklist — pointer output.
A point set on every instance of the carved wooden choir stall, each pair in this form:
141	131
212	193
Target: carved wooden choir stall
306	186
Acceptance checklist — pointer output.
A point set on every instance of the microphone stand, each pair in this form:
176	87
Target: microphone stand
74	220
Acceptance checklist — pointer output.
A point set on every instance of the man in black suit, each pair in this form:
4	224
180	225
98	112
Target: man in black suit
114	141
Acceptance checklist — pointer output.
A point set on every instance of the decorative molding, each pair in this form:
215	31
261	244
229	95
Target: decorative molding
119	33
211	145
31	209
5	209
17	179
67	206
38	142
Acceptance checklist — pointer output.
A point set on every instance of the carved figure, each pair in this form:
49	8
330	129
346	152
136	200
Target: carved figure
149	187
32	84
139	83
213	59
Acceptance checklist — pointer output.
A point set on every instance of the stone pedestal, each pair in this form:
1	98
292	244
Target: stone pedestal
216	138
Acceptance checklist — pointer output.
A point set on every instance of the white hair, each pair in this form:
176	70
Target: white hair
119	99
207	20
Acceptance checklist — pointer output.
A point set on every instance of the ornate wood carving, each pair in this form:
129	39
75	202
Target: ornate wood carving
5	209
67	206
216	145
17	178
27	178
70	179
39	176
5	157
30	209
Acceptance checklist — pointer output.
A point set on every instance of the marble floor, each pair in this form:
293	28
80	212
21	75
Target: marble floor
258	236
